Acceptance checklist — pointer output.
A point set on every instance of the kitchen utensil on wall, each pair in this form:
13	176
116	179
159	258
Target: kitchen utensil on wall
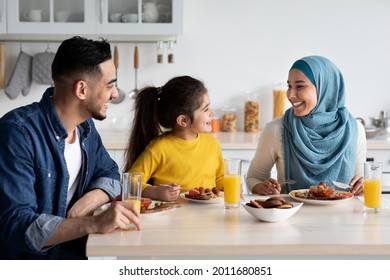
41	67
2	66
134	92
121	93
21	78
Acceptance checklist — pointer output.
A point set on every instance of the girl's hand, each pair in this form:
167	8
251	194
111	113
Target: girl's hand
168	192
357	185
267	187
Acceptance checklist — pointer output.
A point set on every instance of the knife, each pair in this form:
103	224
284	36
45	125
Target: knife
341	185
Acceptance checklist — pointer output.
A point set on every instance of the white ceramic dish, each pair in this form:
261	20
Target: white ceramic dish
152	205
272	214
318	201
209	201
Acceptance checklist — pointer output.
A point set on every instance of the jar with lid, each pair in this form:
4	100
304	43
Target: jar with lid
251	112
229	119
215	124
279	96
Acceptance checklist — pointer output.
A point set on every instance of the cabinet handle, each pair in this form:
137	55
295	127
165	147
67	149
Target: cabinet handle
370	159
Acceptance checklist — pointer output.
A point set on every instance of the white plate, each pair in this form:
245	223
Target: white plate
208	201
317	201
152	205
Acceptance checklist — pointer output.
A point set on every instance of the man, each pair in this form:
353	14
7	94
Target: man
54	169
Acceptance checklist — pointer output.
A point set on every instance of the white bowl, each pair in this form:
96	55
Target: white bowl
272	214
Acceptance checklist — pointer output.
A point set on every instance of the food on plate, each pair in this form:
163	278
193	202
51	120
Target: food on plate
160	206
145	203
202	193
321	192
272	202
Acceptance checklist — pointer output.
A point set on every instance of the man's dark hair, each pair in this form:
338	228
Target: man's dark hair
77	57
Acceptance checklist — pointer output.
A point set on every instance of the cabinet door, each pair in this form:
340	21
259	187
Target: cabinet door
140	17
51	16
3	22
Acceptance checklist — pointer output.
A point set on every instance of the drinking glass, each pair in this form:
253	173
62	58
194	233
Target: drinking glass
232	183
131	191
372	186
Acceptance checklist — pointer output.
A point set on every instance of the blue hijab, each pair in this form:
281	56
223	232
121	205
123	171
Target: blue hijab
322	145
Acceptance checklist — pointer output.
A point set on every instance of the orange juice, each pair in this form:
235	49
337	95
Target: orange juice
136	202
232	188
372	193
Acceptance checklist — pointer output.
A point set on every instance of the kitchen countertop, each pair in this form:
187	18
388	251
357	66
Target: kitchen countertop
209	231
229	140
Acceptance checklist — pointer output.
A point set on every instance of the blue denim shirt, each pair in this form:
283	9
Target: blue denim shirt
34	177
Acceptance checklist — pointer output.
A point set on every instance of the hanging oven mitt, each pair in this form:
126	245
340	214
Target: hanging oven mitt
20	80
41	69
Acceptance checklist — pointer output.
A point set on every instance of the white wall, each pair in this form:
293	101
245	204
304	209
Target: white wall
240	45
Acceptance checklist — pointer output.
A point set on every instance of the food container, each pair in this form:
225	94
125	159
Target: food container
251	111
229	119
272	215
279	94
216	124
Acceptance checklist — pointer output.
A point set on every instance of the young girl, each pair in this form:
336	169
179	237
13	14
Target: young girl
169	143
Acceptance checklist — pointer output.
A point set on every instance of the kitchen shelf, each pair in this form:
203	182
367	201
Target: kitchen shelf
104	18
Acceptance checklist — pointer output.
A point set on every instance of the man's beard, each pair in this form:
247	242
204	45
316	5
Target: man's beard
95	114
98	117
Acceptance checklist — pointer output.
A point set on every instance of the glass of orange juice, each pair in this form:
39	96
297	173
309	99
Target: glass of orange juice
232	183
372	186
131	191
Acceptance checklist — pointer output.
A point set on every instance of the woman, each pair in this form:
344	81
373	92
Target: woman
316	140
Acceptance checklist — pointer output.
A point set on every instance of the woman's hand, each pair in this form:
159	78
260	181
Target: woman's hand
267	187
357	185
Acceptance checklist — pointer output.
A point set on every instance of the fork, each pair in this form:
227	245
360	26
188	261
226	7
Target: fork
288	181
168	186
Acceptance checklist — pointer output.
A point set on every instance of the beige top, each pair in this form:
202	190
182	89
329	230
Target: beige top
269	152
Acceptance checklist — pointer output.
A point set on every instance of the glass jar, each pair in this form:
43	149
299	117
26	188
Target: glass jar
279	94
229	119
251	112
216	124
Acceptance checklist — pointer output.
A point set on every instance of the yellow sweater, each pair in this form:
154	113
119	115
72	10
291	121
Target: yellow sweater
188	163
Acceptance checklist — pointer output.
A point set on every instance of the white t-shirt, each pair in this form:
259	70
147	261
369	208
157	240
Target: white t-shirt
73	159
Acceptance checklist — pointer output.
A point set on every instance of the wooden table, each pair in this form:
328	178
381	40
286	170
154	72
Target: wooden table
208	231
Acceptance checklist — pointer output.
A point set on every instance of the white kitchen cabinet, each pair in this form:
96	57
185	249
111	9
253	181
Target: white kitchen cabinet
51	16
3	21
97	17
168	20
